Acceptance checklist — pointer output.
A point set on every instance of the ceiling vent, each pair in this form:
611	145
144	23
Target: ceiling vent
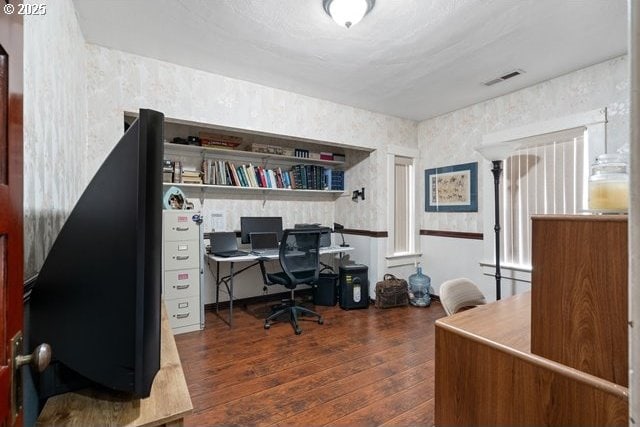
507	76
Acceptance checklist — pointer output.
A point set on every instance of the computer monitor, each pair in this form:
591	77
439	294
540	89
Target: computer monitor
325	233
259	224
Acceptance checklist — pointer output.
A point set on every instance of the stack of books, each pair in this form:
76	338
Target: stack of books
191	176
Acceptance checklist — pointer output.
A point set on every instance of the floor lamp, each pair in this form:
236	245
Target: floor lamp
496	154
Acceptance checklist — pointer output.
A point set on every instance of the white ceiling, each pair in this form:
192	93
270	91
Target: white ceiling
407	58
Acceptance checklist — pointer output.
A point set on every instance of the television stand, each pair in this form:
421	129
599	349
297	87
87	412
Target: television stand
168	403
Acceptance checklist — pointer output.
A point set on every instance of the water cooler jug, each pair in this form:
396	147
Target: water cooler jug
419	285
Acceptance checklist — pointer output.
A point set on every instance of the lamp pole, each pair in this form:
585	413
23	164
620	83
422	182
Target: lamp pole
497	171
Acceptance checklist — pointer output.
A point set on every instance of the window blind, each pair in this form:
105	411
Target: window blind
547	175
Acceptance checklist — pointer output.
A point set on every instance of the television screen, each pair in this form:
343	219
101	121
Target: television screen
96	300
259	224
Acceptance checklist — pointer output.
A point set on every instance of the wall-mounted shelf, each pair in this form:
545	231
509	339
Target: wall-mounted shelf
256	191
194	150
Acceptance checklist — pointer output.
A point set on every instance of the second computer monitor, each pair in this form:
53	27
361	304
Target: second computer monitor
259	224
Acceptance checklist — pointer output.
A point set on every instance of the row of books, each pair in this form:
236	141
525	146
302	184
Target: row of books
301	177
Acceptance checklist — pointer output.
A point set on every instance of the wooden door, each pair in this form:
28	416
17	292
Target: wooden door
11	239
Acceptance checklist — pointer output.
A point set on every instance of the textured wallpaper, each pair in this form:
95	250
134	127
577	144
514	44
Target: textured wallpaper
119	82
55	126
451	138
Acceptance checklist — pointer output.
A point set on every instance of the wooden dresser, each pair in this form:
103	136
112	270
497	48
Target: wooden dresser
554	356
579	287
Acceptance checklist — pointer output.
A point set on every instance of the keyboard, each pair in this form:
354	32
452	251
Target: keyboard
266	252
230	254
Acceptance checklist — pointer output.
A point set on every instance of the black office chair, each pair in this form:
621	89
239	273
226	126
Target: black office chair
300	262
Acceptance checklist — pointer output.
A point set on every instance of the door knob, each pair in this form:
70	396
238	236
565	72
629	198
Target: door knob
39	359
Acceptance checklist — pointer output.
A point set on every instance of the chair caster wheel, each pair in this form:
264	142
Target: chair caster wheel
298	331
267	325
320	321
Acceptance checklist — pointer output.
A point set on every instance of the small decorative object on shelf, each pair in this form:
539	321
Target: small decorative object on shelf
419	285
174	199
300	152
167	171
217	140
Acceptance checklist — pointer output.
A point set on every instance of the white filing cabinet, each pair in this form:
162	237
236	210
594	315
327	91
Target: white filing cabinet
182	270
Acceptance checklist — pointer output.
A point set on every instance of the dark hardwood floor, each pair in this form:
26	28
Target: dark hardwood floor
362	367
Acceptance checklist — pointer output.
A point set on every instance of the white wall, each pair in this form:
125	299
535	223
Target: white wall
119	82
451	138
55	126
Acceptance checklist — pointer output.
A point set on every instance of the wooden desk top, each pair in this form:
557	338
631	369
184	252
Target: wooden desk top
503	323
506	326
169	399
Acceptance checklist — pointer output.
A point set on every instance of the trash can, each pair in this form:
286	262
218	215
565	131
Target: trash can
325	292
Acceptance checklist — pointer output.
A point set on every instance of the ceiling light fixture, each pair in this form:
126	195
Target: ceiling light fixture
347	12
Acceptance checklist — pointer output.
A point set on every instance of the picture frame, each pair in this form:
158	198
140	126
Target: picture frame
452	188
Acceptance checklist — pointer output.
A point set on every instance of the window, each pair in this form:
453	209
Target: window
403	208
547	176
545	173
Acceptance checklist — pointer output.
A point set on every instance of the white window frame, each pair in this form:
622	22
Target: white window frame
596	143
406	156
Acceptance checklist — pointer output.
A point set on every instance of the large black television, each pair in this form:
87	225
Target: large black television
96	300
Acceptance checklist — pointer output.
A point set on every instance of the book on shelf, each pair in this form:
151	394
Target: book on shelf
235	179
334	179
177	171
298	177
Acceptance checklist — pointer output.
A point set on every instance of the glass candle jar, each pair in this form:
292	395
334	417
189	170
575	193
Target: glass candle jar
609	184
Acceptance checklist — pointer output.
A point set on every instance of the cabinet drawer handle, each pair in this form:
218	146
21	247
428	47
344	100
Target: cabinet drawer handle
181	287
182	258
182	228
182	316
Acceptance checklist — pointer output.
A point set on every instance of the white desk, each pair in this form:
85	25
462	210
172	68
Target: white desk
227	280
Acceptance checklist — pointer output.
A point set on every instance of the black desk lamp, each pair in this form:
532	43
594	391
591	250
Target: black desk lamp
339	227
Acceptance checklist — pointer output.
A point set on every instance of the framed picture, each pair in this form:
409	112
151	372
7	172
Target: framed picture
452	188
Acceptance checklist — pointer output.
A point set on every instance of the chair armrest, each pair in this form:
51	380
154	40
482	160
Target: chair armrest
263	270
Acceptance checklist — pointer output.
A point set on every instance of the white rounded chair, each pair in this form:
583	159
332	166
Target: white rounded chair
457	294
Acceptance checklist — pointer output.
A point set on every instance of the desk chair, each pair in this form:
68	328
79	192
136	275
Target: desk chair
300	262
457	294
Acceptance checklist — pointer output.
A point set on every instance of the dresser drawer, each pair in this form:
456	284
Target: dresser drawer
183	311
179	225
181	283
181	255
